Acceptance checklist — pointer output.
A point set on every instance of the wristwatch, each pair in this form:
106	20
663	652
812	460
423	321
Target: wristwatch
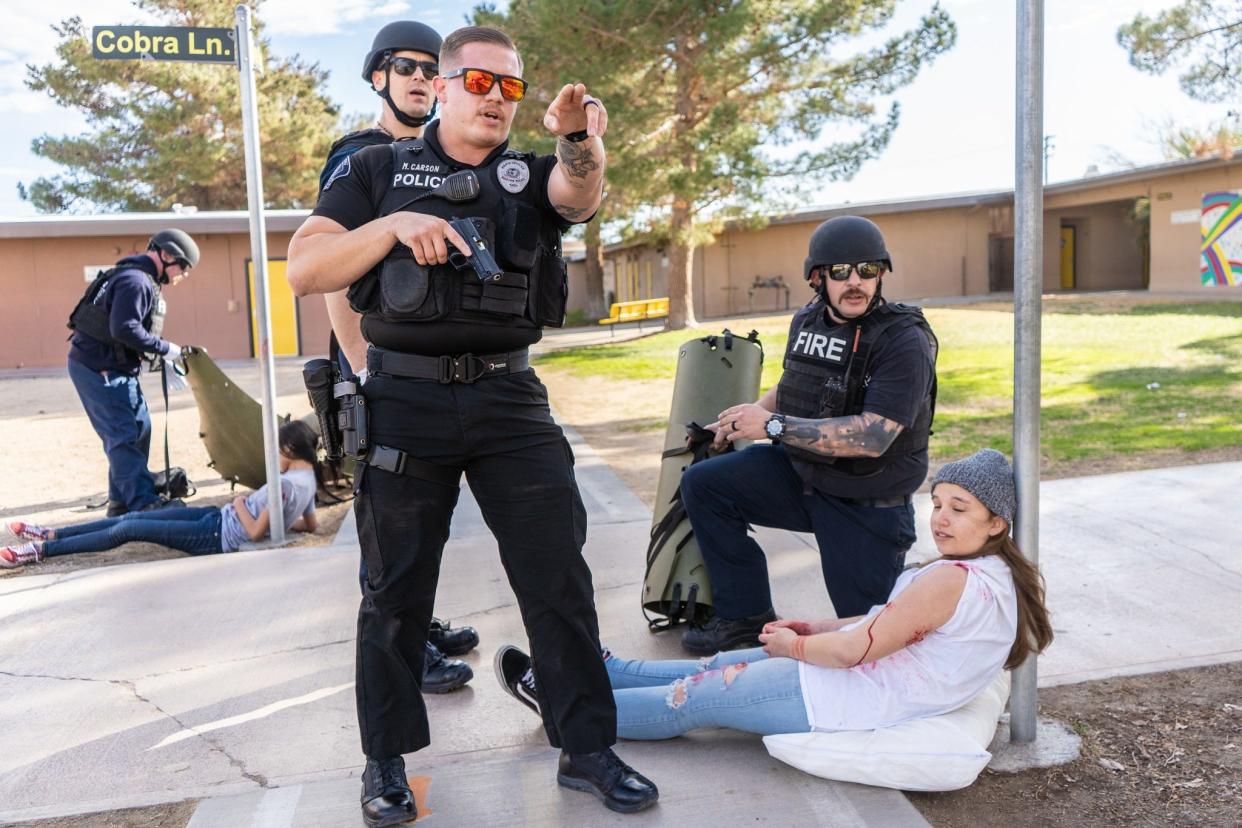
775	428
576	137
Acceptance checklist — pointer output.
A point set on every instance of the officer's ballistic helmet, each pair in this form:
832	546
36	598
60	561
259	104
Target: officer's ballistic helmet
176	243
404	34
846	240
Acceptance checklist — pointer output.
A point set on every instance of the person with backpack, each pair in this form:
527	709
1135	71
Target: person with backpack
199	530
118	321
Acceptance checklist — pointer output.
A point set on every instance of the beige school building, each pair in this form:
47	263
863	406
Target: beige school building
960	245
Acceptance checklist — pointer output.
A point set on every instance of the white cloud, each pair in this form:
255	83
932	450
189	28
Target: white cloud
27	38
319	17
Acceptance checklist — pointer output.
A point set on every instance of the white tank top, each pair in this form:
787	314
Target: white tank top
938	674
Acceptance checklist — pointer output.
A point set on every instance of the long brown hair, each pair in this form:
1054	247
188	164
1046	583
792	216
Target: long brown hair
1034	627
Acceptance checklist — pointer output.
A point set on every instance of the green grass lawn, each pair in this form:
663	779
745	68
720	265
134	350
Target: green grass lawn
1116	381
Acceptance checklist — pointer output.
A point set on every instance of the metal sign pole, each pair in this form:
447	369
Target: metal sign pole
258	253
1028	286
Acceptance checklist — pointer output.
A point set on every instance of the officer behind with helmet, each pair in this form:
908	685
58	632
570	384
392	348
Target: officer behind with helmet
451	390
848	424
112	329
404	57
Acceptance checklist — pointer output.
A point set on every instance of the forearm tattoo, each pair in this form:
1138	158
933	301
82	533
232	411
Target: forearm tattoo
578	158
571	212
864	435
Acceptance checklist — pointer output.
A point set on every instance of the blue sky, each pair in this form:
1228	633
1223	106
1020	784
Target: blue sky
956	131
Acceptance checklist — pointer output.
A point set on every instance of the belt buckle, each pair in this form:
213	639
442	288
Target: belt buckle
463	365
447	370
387	459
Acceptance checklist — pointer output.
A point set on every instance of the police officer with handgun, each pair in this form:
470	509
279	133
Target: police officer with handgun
403	59
451	391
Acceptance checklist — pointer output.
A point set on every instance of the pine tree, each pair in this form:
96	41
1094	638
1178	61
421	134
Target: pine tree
1202	38
160	132
703	95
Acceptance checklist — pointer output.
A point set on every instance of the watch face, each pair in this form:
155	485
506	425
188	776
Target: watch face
774	428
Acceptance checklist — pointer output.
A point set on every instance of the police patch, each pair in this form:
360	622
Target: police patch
513	174
342	170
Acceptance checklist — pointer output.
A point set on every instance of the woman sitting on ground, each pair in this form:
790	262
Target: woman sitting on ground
199	530
947	630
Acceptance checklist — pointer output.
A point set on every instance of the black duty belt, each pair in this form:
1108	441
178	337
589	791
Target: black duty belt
467	368
877	502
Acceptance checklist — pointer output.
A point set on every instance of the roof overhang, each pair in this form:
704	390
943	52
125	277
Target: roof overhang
145	224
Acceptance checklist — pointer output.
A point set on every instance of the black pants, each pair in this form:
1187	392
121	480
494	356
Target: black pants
520	469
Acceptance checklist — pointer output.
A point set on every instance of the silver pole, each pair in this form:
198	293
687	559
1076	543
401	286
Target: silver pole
258	253
1028	284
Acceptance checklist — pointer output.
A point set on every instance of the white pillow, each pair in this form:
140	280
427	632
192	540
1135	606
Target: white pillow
939	753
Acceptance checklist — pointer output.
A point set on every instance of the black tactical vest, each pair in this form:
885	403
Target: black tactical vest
827	368
532	291
90	316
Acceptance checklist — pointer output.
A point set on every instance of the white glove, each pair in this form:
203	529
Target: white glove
174	350
176	382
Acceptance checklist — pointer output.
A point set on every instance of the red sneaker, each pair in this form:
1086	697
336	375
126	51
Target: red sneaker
12	557
29	531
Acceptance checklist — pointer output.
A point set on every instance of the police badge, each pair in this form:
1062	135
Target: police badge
513	174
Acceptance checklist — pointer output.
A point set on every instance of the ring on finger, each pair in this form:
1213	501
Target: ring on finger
591	102
735	425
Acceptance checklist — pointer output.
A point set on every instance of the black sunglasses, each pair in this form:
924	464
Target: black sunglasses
481	81
405	67
841	272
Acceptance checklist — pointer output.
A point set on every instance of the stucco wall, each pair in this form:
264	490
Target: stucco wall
935	253
43	279
1108	255
1175	247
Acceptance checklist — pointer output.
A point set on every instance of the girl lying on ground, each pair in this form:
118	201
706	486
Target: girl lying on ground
946	631
199	530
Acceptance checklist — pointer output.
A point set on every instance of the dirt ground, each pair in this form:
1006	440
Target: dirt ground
1162	749
54	468
1158	750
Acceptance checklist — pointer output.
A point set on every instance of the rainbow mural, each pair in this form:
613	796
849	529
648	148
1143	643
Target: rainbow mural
1221	251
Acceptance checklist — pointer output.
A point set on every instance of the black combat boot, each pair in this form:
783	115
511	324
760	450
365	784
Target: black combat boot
442	675
386	795
452	640
721	634
618	786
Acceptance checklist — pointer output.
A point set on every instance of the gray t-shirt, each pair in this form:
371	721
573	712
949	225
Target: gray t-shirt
297	494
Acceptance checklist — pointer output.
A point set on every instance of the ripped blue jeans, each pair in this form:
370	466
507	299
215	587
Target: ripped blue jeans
742	689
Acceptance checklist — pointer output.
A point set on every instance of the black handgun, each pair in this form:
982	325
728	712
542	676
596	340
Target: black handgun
481	259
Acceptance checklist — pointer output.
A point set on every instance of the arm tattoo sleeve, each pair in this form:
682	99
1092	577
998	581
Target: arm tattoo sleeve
578	158
863	435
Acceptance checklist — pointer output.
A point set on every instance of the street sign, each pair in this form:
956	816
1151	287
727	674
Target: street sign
164	43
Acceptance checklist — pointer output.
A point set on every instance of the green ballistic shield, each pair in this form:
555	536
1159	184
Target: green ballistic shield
713	373
231	424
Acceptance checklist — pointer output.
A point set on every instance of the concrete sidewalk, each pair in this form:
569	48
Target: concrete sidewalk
229	678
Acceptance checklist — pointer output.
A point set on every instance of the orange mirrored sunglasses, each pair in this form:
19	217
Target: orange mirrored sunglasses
481	81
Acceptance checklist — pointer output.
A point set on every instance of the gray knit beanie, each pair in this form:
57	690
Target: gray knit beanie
986	475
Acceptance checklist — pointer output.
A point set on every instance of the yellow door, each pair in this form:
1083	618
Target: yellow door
284	310
1067	258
